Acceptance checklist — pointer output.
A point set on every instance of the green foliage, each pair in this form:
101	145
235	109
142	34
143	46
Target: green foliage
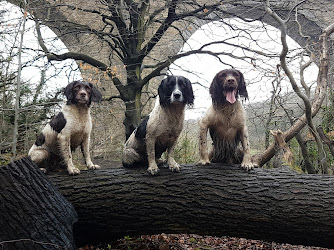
5	158
128	241
298	158
297	168
192	240
127	237
328	114
186	150
312	153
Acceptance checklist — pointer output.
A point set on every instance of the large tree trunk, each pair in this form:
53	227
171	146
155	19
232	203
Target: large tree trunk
132	115
132	99
33	214
274	205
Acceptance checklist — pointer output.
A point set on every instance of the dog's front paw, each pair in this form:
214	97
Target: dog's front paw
174	167
204	162
248	165
153	170
92	167
73	170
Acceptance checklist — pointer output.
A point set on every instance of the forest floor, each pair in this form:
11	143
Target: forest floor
193	242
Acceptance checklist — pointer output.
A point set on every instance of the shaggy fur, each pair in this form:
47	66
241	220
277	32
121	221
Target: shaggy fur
160	130
68	130
226	122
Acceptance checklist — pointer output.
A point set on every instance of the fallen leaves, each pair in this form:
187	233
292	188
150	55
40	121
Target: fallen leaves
194	242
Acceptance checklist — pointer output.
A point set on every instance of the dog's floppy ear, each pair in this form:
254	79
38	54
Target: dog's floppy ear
68	92
96	95
216	91
162	92
189	94
242	86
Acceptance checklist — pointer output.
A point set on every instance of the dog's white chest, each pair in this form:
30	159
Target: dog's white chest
78	124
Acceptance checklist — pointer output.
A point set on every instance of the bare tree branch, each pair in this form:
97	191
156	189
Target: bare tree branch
320	92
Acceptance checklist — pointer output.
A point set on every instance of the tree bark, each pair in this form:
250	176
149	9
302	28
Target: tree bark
132	113
33	214
303	148
275	205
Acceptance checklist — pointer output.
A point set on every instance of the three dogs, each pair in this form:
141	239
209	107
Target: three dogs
160	130
225	120
68	129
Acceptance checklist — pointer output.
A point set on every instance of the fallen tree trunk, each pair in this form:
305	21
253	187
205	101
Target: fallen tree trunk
33	214
274	205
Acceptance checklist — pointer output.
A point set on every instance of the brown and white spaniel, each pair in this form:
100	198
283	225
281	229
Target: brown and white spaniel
67	130
226	121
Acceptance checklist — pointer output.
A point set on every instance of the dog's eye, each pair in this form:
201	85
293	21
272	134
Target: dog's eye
76	87
235	74
88	89
224	75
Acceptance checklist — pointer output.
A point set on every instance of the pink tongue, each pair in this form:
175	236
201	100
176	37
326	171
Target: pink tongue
230	96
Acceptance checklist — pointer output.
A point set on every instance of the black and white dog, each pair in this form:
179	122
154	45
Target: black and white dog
68	129
160	130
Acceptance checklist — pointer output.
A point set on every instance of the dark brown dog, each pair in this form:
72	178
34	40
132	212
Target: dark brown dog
226	122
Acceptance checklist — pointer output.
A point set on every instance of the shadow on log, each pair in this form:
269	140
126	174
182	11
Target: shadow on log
219	200
33	214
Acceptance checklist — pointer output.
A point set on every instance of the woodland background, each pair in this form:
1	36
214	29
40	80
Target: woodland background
126	47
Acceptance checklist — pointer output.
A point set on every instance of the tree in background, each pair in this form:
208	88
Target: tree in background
132	33
23	106
311	108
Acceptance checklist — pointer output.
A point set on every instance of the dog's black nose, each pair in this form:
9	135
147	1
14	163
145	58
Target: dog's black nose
177	96
230	81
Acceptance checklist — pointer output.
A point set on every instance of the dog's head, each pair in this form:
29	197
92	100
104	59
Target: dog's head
82	92
174	90
227	85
